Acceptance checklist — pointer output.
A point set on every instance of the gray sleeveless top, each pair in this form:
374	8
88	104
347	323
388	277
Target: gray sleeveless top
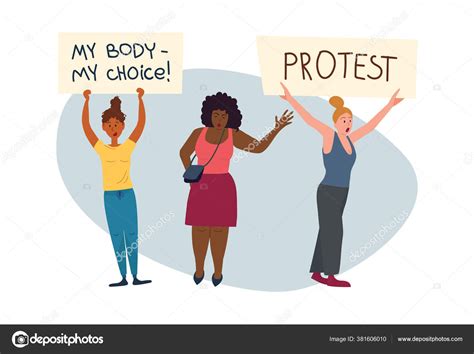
338	164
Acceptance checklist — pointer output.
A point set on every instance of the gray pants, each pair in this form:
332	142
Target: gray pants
327	254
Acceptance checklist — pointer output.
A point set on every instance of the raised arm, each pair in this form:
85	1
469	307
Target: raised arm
322	128
371	124
86	125
137	132
245	142
189	147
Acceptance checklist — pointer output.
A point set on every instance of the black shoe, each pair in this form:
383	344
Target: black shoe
217	281
137	281
123	282
198	280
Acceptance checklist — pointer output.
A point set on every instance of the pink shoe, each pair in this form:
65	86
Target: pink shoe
319	278
331	281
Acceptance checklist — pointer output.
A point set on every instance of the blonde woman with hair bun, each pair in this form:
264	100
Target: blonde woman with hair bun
339	156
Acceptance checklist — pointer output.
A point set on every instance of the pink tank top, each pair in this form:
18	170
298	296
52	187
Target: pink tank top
221	160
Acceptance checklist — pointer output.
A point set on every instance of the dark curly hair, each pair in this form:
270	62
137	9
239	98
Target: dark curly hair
114	111
222	101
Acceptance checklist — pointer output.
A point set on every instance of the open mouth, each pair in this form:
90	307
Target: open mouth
347	130
115	134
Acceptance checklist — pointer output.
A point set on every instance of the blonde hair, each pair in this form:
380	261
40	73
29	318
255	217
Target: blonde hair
338	103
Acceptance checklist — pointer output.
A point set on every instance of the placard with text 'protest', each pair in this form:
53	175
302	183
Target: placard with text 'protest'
338	66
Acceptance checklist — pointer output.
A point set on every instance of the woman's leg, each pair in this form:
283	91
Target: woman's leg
201	235
113	213
131	234
333	244
219	237
317	264
339	198
331	201
334	201
131	230
115	224
327	254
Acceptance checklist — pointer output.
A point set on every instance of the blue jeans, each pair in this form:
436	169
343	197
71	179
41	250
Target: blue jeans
121	213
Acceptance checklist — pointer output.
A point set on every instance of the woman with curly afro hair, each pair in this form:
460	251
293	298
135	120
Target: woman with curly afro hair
212	201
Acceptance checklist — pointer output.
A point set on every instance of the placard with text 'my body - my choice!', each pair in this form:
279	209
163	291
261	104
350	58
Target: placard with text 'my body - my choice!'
338	66
120	62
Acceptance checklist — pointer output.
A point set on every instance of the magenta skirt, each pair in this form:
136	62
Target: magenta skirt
212	201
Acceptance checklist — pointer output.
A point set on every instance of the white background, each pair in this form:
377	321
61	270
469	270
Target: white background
55	263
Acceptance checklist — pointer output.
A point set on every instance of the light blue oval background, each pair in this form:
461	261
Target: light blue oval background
272	246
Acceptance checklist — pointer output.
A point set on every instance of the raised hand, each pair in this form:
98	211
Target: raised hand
85	120
86	94
284	120
287	95
394	100
137	132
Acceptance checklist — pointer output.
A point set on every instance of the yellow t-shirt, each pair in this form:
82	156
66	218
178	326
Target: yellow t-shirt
115	164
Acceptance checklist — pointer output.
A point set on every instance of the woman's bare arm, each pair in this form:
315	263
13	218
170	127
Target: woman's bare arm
322	128
246	142
137	132
188	148
371	124
86	125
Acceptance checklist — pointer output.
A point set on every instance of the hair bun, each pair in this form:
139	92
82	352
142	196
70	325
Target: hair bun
115	103
336	102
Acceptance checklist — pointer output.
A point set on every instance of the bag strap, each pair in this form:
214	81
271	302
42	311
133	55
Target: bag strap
220	139
215	150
